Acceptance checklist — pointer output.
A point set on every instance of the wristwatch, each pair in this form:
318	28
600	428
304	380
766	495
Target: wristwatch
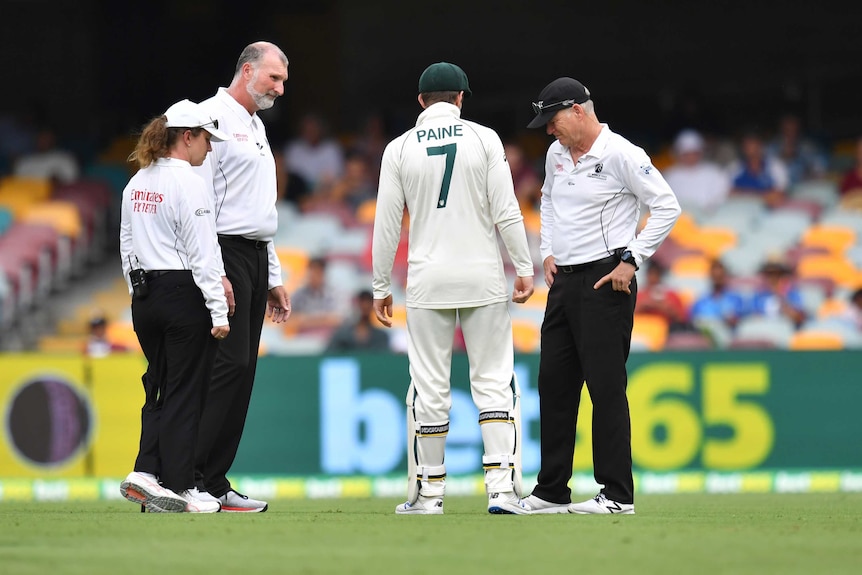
628	257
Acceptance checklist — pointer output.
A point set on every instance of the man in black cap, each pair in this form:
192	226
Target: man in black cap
453	179
595	181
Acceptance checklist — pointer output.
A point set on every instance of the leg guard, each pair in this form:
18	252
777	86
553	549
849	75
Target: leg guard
426	444
501	434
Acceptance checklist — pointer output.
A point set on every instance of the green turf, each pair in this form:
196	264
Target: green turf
700	534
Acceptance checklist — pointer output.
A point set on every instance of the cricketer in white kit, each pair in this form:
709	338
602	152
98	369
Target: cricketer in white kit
452	177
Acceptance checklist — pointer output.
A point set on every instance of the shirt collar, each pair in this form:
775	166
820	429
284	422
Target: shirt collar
438	110
172	163
596	149
235	107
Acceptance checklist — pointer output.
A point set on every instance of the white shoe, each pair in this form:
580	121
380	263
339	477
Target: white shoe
506	504
422	506
234	502
144	488
602	505
196	504
204	495
539	505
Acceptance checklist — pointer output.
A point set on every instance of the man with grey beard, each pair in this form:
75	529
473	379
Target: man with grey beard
242	179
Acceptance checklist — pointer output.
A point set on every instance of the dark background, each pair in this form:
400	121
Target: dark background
96	69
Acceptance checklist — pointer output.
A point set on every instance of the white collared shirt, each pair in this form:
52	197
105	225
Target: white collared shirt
167	224
591	206
453	255
241	177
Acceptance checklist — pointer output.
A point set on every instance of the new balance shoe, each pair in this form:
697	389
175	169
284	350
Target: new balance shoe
422	506
539	505
197	504
235	502
602	505
144	489
506	504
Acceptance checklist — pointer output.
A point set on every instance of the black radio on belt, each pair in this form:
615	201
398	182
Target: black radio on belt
138	278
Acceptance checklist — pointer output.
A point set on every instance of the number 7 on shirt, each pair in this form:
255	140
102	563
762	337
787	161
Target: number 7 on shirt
449	150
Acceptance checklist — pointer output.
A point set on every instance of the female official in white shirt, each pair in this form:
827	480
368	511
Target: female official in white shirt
172	264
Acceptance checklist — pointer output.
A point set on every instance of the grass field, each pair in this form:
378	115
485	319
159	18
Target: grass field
702	534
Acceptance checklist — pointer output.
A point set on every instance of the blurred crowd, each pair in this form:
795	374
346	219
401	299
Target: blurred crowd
704	293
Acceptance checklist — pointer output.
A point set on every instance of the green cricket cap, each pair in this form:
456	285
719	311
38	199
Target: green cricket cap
444	77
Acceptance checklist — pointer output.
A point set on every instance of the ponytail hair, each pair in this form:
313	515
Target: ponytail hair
155	141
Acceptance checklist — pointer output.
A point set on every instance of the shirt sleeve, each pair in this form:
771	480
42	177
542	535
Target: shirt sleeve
126	248
207	172
274	263
198	234
546	211
650	187
387	222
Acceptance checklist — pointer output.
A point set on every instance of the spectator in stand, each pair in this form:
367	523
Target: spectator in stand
48	160
352	188
851	182
314	156
371	142
778	294
722	303
358	333
853	314
655	297
316	306
528	186
98	344
699	184
291	187
757	173
804	158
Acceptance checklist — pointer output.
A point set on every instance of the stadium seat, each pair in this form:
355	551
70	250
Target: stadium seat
527	335
824	192
650	330
6	219
835	267
833	237
687	341
294	262
754	330
365	211
37	189
815	340
691	266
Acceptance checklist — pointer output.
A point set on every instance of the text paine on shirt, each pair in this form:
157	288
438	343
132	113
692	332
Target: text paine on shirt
440	133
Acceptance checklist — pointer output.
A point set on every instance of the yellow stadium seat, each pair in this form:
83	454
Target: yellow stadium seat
696	265
63	216
835	267
38	189
526	335
710	241
819	340
294	263
834	238
650	330
684	228
532	221
123	333
365	211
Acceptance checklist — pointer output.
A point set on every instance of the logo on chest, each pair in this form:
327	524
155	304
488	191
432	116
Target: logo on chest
597	173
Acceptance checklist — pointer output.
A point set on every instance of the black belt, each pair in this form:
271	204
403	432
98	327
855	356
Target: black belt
257	244
151	275
578	267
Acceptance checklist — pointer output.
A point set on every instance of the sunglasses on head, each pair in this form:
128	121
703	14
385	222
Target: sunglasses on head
539	107
214	124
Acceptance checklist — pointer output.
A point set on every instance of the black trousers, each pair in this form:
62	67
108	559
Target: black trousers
229	392
586	337
173	326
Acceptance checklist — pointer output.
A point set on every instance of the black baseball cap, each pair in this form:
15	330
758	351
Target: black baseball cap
560	94
444	77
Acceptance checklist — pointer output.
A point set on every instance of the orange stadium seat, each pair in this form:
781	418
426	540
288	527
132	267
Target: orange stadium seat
294	262
816	340
691	266
834	267
649	331
526	334
836	239
37	189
